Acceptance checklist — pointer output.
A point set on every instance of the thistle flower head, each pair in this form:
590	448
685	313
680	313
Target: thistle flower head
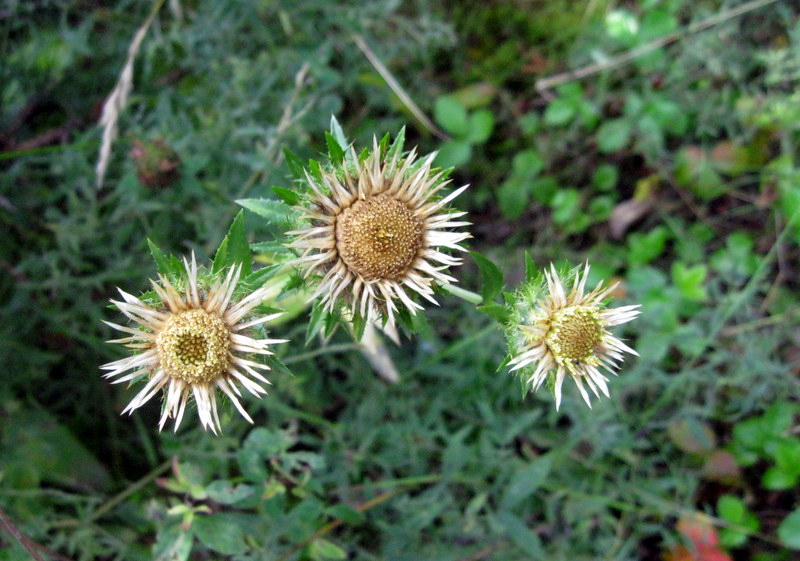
555	333
375	230
191	343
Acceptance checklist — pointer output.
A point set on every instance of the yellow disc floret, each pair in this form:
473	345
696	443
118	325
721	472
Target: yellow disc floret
194	346
379	237
574	335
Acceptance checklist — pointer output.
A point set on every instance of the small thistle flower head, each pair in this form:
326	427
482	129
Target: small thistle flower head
377	233
559	331
191	343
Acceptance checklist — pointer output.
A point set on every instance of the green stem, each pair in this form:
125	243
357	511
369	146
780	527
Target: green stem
471	297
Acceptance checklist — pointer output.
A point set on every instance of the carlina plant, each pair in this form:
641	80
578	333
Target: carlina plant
374	230
556	330
370	232
192	338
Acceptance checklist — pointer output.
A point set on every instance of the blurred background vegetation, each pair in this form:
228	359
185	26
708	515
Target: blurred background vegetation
674	171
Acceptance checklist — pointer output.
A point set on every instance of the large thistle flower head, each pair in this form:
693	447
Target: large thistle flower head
558	330
191	342
377	231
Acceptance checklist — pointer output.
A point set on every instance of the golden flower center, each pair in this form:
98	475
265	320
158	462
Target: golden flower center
574	334
193	346
379	237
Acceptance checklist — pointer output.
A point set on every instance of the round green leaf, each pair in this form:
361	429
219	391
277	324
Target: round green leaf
789	530
451	115
453	153
481	124
613	135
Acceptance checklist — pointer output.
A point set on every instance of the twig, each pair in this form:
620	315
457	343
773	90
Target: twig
118	97
118	498
382	498
397	88
30	546
486	551
273	154
628	56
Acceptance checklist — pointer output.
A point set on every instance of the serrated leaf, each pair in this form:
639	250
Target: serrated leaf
335	152
397	146
495	311
294	163
358	325
531	269
286	195
234	249
338	133
315	170
162	263
491	277
276	213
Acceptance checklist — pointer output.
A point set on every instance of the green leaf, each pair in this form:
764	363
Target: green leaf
689	281
220	532
481	124
453	153
613	135
173	544
779	479
527	164
520	534
525	482
789	530
449	113
491	277
544	189
286	195
321	549
733	510
605	178
294	163
529	123
779	417
335	152
234	248
513	197
643	248
559	112
495	311
787	455
277	213
224	492
531	269
162	263
397	145
346	514
566	205
338	134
